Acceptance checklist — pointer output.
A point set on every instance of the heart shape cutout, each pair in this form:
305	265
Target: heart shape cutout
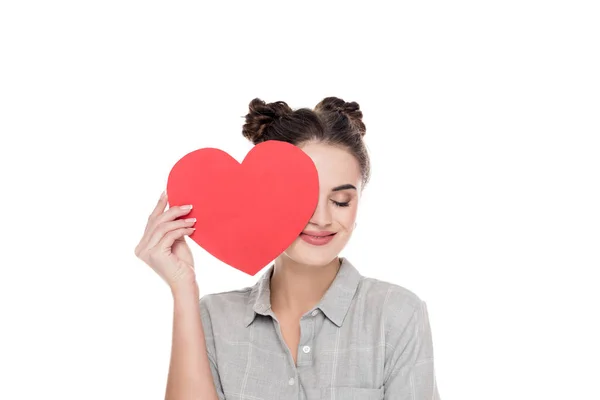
246	213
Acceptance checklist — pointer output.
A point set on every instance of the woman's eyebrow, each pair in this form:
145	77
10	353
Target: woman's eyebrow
343	187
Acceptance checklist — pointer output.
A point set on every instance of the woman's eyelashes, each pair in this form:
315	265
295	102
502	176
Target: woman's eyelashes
341	204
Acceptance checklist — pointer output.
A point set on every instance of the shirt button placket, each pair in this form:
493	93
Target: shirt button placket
306	337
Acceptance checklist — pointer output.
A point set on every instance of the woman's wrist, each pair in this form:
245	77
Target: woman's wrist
185	290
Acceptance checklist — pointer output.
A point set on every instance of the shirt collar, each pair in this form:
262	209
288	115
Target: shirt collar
334	304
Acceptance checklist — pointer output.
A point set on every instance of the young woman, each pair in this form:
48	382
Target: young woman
312	327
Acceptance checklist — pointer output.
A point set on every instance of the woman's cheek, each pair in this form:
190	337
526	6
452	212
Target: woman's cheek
347	216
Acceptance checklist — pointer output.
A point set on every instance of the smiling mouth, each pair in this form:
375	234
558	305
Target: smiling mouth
317	238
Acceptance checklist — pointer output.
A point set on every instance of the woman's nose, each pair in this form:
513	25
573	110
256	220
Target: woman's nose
322	214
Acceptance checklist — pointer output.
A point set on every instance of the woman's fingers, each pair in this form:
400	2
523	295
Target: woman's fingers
170	238
164	228
159	214
171	214
158	210
160	206
174	212
161	222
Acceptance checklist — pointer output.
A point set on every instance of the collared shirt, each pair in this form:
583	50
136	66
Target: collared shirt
366	340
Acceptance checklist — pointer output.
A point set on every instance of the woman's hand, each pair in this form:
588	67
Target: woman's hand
163	245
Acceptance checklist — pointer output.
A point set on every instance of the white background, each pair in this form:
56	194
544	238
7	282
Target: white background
482	122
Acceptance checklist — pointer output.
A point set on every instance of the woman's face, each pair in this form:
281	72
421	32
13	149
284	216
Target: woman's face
332	223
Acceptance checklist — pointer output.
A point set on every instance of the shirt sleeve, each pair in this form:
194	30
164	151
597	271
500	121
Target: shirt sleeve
210	345
410	373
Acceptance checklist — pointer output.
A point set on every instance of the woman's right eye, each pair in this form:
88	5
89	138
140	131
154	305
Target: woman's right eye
341	204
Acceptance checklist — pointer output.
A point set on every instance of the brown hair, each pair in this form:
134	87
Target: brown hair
333	121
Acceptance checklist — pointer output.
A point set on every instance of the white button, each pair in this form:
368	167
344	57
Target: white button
314	313
291	381
306	349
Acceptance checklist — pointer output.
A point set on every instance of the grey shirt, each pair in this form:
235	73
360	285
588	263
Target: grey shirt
365	340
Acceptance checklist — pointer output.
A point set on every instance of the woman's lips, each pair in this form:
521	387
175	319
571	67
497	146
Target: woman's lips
317	238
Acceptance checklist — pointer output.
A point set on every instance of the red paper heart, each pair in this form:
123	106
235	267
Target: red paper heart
249	213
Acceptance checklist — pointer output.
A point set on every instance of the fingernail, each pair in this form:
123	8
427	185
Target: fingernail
186	207
163	194
190	220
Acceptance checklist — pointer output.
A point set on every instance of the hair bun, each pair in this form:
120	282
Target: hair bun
260	116
350	109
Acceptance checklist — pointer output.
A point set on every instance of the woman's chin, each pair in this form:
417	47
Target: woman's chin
302	252
313	257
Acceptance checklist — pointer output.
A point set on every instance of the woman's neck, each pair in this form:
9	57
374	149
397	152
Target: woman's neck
296	288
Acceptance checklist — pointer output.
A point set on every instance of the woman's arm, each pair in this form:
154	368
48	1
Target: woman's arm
190	376
163	247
